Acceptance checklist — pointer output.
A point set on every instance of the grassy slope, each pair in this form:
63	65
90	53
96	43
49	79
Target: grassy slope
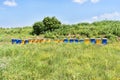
52	61
7	34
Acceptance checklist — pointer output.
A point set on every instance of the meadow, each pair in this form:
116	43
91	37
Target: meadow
59	61
56	61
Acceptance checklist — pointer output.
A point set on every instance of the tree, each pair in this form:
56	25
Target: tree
51	23
38	28
48	24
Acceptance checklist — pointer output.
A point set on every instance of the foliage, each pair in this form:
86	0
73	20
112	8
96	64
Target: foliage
100	29
48	24
38	28
51	61
51	23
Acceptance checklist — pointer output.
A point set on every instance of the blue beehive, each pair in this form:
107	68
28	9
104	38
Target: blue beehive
18	41
26	41
81	40
76	40
13	41
65	40
93	41
71	40
104	41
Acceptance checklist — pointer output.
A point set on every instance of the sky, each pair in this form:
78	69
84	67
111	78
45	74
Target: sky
19	13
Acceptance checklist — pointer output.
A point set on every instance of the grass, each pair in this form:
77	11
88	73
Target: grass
59	61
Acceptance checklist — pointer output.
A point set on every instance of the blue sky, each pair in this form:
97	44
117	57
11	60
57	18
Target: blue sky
19	13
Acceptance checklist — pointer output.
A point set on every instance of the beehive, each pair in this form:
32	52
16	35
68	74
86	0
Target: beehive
98	41
87	41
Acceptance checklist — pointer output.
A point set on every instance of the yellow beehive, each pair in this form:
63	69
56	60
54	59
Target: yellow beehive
36	40
43	40
23	42
98	41
30	40
56	41
39	40
48	40
87	41
60	41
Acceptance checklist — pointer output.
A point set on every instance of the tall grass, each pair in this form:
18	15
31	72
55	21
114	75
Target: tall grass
52	61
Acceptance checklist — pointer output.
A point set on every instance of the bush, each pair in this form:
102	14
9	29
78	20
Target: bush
38	28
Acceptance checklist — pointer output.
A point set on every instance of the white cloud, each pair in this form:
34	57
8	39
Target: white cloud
112	16
84	1
10	3
95	1
80	1
105	16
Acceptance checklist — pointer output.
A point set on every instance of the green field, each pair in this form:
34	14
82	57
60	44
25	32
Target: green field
61	61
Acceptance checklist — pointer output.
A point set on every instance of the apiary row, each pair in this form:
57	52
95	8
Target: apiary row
86	41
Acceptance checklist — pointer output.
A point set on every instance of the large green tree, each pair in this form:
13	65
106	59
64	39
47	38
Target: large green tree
51	23
48	24
38	28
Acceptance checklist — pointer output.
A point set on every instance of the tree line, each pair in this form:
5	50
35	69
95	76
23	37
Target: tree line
51	27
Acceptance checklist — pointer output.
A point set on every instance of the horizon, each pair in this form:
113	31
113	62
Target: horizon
17	13
28	26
